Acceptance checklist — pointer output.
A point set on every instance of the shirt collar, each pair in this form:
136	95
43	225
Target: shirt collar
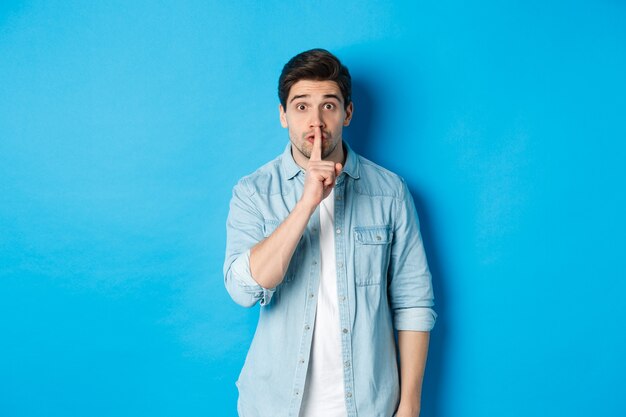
291	168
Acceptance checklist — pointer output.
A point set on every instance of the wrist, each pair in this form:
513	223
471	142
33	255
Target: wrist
305	207
409	408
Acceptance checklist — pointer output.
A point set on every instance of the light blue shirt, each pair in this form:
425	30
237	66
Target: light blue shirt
383	282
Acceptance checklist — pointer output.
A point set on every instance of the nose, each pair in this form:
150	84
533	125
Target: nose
316	120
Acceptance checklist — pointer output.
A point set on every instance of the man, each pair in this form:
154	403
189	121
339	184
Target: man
328	243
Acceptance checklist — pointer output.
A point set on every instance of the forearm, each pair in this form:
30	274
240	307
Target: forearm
413	347
269	259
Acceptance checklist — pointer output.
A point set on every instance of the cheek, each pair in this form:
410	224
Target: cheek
295	123
338	127
339	120
294	134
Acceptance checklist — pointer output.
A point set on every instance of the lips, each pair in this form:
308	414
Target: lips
311	138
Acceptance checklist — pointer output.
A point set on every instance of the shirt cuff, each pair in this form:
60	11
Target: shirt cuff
419	319
241	272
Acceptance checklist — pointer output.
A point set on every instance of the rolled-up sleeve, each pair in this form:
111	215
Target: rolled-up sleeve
244	229
410	284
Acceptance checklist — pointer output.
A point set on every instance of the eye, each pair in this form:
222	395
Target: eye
300	107
329	106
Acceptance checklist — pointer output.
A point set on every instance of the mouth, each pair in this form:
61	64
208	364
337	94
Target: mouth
311	138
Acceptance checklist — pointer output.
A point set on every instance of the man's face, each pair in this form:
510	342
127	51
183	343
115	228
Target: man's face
311	104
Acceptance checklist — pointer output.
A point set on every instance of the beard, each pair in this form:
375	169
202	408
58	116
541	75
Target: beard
305	148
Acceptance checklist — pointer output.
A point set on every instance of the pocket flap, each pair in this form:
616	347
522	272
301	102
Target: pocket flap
373	235
269	226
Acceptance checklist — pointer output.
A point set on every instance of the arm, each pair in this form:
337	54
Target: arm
413	348
269	259
244	228
410	287
411	297
255	266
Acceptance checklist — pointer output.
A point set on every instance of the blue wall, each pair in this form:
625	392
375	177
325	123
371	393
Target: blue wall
124	126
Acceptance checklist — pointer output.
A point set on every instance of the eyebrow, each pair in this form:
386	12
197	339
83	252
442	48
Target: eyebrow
297	97
335	96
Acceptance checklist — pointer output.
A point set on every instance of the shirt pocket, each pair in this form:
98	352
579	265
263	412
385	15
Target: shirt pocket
268	228
372	246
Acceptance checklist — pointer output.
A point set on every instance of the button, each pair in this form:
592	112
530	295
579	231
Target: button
344	330
314	230
307	327
340	264
349	394
301	360
378	237
338	231
343	298
311	295
314	262
297	393
347	364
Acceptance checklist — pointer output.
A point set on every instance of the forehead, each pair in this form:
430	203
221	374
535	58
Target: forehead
315	89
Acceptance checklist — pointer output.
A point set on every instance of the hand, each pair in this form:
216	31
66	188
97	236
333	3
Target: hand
320	175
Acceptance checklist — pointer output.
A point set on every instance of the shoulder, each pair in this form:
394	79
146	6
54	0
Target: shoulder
377	180
264	180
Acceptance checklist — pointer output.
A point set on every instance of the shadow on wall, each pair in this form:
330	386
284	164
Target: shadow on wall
432	395
361	127
360	140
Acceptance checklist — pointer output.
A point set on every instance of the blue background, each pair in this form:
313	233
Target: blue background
124	126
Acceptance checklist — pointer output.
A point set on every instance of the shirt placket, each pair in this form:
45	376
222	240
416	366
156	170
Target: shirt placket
342	294
310	308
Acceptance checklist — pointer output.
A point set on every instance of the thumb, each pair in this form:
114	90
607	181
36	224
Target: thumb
338	169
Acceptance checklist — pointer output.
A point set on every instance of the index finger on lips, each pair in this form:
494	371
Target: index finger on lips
316	152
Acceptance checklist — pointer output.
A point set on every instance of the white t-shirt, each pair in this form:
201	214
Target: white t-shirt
323	391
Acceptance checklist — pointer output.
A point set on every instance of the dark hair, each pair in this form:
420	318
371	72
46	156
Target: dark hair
318	65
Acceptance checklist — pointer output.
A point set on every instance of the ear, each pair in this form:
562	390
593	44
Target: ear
283	116
349	111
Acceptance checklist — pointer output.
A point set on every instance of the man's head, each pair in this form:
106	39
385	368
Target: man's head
315	65
315	90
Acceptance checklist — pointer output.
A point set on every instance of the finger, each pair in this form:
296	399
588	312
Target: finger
322	165
325	176
338	169
316	152
321	172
